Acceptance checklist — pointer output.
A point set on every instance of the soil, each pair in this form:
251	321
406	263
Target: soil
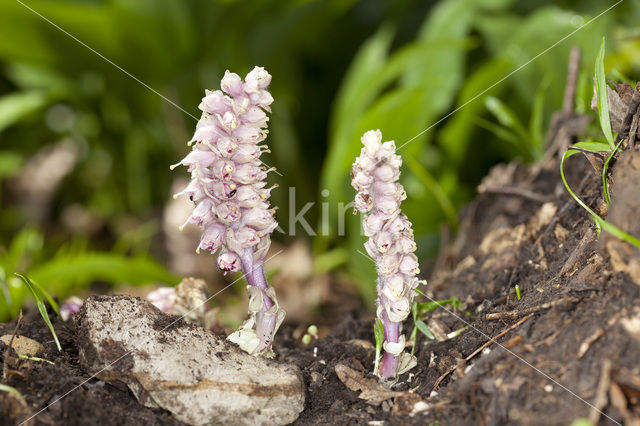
568	348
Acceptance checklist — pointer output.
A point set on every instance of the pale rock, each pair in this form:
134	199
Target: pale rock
199	377
22	345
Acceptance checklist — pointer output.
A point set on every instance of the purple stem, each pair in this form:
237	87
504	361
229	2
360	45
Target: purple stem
389	364
265	323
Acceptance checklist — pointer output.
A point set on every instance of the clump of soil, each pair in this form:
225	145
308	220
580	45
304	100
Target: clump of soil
568	348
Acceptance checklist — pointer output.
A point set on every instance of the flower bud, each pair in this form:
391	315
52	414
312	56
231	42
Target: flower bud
409	264
247	152
229	262
226	146
363	202
246	196
258	78
248	173
406	244
163	298
388	265
383	241
206	133
262	99
214	102
222	190
255	115
249	133
372	141
203	213
70	307
360	180
231	83
223	169
385	173
398	310
212	237
257	218
372	224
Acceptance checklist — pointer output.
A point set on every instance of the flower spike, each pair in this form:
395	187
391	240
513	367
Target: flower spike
229	190
391	245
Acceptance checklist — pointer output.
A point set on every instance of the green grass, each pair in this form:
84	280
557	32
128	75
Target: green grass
600	147
34	358
39	295
419	309
378	332
13	391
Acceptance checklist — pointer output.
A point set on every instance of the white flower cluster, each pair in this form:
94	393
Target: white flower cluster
227	177
391	244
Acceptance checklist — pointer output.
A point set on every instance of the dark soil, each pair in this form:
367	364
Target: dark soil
567	349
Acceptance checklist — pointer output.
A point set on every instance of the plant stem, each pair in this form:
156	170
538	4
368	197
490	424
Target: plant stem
389	364
265	321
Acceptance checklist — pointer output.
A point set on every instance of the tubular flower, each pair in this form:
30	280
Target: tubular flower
374	175
229	191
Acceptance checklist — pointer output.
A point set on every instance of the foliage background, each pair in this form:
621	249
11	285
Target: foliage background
340	67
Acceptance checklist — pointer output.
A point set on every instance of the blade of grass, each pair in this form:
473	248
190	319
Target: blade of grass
456	333
603	224
34	358
536	132
378	332
605	169
13	391
602	97
414	332
596	146
47	296
432	185
40	304
420	325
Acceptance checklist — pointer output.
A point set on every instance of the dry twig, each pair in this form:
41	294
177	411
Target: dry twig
518	313
478	350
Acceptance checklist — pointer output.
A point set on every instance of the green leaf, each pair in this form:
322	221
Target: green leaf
603	224
506	116
459	130
605	169
425	307
501	132
601	94
356	92
378	332
596	146
63	270
420	325
16	106
434	187
43	293
10	163
13	391
40	304
35	358
536	131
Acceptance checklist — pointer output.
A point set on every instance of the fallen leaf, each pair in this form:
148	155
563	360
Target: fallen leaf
372	391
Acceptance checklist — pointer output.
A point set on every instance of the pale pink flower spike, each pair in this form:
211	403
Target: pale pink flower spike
228	187
391	244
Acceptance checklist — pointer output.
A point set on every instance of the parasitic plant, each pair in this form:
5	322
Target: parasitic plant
391	245
228	187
